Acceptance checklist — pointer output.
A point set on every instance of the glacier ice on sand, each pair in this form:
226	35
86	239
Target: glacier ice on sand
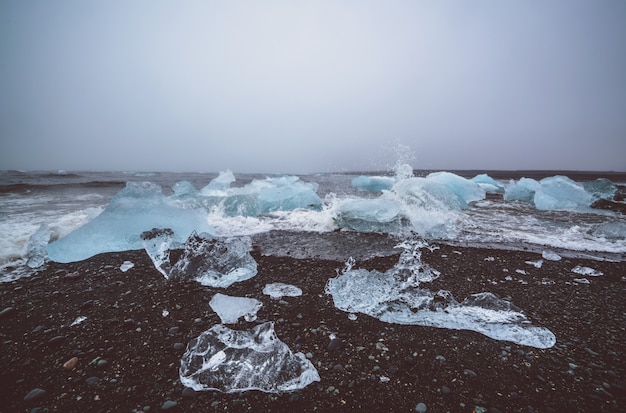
214	262
233	361
231	309
276	291
395	296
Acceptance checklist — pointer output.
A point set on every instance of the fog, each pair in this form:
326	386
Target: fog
312	86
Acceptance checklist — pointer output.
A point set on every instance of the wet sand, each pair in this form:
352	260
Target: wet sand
128	353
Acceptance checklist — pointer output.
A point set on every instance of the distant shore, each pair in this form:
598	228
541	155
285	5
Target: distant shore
128	353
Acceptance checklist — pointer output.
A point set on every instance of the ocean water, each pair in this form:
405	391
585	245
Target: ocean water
66	201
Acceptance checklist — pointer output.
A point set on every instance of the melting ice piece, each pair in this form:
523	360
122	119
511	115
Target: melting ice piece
135	209
230	309
235	361
78	320
370	215
464	189
373	183
550	256
211	262
560	192
126	265
36	248
615	230
579	269
214	262
522	190
489	184
394	297
536	264
277	291
601	188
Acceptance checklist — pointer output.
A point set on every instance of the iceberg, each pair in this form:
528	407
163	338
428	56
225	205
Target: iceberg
230	309
561	193
373	183
465	190
489	184
36	251
220	184
276	291
521	190
233	361
207	260
135	209
395	296
369	215
601	188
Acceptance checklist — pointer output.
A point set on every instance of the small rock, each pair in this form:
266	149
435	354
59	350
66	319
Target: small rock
101	363
34	394
421	408
179	346
169	404
92	380
445	390
71	363
7	312
56	340
335	344
470	373
189	393
173	331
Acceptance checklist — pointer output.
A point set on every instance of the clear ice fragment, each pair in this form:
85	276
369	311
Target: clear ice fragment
579	269
230	309
550	256
235	361
36	251
126	265
276	291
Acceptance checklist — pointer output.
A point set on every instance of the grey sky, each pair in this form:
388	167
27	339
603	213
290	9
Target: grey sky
312	86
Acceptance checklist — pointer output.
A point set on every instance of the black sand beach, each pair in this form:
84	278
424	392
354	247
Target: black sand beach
128	354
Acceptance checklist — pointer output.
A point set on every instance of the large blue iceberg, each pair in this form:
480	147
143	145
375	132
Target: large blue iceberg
139	207
559	192
428	206
142	206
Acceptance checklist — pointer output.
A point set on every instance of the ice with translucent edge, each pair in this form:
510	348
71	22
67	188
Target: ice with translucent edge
489	184
231	309
427	206
214	262
579	269
559	192
373	183
277	291
395	296
139	207
234	361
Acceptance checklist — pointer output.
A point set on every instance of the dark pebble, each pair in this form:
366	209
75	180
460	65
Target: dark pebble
7	312
338	368
189	393
102	363
173	331
169	404
335	344
34	394
445	390
179	346
92	380
470	373
56	340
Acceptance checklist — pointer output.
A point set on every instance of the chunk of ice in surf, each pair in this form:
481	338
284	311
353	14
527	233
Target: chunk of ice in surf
235	361
36	251
394	296
231	309
489	184
214	262
135	209
276	291
373	183
550	255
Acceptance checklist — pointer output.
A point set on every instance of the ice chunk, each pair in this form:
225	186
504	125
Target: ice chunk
579	269
157	243
277	291
211	262
235	361
78	320
522	190
369	215
615	230
126	265
536	264
561	193
135	209
489	184
550	255
394	296
230	309
219	184
601	188
288	193
373	183
465	190
36	248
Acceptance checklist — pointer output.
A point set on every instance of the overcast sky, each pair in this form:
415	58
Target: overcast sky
312	86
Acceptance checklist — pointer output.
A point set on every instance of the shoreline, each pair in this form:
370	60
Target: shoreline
377	367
